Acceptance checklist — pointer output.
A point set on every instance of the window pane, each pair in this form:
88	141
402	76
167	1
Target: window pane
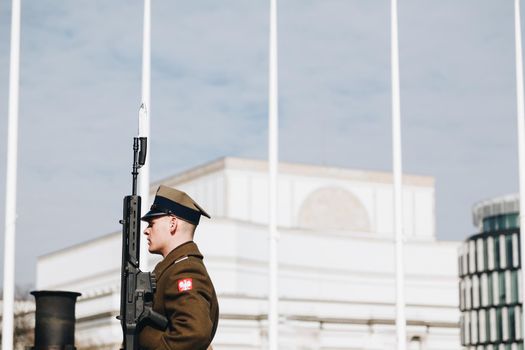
487	325
461	295
480	255
495	288
519	287
485	254
501	222
482	325
490	251
474	327
472	256
499	324
508	243
515	250
508	288
496	253
491	288
505	323
502	252
484	290
514	282
490	224
501	277
517	322
475	292
512	326
493	325
468	304
467	328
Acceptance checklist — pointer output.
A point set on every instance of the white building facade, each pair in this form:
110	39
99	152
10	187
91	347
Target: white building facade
336	261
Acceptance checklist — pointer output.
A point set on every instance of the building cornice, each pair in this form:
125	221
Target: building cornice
286	168
495	206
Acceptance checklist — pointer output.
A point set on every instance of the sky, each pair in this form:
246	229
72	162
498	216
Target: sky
80	85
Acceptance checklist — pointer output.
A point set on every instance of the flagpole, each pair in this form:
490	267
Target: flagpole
11	181
273	160
144	125
398	189
521	138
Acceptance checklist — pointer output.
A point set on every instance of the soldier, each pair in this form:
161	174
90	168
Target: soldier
184	293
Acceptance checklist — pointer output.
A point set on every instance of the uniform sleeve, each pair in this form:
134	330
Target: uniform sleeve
187	305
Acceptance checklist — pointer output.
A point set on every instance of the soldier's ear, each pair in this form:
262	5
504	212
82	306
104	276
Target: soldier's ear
173	224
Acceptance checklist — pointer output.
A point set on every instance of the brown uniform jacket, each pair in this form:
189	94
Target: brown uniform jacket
185	295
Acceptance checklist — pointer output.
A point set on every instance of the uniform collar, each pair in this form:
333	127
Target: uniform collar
185	249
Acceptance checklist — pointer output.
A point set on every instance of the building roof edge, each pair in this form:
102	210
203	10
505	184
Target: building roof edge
293	169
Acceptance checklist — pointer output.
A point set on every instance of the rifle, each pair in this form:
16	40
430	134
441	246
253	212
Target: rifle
137	287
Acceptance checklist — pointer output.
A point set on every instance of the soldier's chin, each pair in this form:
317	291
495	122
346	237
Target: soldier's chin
153	251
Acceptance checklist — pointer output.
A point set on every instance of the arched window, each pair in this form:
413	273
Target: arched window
333	208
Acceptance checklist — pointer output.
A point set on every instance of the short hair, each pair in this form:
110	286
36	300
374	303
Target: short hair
186	226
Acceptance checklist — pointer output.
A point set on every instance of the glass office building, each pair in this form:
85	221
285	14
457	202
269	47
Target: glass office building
490	280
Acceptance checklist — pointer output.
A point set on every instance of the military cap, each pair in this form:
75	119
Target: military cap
169	201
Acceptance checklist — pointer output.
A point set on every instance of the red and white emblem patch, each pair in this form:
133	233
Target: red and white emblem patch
185	284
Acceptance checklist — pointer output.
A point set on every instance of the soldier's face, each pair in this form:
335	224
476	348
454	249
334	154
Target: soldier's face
158	233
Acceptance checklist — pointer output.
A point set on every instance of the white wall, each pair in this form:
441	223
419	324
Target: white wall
238	189
336	287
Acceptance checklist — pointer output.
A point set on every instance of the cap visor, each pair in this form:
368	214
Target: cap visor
152	214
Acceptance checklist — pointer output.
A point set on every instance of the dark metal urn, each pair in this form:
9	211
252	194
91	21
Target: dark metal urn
55	320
